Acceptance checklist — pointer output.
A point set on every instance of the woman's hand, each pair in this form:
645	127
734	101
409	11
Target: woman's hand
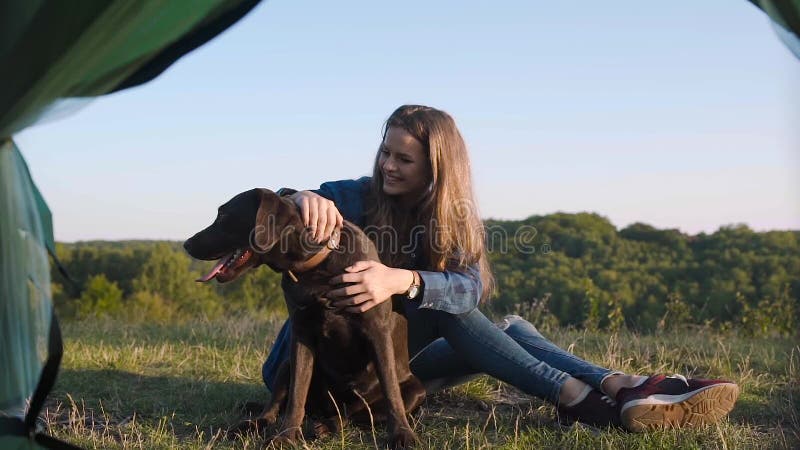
373	284
319	214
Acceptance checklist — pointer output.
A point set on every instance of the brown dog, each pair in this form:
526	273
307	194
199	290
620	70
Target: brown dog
359	359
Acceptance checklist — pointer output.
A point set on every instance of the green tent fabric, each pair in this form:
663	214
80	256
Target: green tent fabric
25	307
785	14
52	53
61	50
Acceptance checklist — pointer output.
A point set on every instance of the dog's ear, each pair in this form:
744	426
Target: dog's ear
276	216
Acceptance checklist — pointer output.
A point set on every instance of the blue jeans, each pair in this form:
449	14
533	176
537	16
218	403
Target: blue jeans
452	348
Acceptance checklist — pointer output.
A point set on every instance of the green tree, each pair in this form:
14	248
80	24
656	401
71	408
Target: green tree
100	297
166	273
259	289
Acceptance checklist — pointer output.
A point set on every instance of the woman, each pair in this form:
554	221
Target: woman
418	207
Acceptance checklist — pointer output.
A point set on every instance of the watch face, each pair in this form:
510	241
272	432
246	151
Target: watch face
413	291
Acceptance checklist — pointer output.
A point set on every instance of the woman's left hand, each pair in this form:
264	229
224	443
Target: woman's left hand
372	284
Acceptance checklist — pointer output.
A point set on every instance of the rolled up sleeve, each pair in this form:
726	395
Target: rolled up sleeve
452	291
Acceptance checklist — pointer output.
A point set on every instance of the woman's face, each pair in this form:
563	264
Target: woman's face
404	165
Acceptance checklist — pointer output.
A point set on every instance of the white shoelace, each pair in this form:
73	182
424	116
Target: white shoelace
680	377
608	400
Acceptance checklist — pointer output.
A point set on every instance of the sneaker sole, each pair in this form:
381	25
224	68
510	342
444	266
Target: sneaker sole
697	408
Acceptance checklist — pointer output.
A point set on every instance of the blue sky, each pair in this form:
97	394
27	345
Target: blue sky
681	115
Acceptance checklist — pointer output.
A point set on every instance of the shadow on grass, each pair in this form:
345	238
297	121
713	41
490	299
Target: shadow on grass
778	405
187	404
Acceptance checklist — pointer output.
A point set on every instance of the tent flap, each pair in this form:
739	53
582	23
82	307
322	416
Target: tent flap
785	15
91	48
52	52
25	305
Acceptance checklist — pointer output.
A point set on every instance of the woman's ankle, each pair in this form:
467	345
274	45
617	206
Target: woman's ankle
614	382
571	390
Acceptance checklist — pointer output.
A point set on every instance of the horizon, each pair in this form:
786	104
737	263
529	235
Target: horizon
680	116
616	228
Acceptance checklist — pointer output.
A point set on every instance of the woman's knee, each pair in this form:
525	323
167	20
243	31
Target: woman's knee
512	324
516	326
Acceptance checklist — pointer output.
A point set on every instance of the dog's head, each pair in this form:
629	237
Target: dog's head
244	234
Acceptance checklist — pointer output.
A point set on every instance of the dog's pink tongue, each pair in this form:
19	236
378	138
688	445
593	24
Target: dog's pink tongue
214	270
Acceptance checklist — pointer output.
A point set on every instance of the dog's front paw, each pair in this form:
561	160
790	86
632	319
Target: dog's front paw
321	429
288	437
403	438
326	427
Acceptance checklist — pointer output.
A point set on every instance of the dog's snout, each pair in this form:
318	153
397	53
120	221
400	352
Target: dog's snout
188	245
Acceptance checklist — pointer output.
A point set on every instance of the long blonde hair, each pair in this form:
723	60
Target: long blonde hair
455	237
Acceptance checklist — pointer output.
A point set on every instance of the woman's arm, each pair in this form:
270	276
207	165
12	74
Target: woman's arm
325	208
451	291
372	284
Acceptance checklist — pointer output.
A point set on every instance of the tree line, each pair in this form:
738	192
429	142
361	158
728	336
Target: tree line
562	269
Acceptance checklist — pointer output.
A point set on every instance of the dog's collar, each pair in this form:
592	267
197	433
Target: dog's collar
317	258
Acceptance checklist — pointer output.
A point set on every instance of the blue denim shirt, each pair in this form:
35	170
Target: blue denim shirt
452	291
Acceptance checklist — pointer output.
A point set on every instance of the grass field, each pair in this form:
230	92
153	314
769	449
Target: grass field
148	386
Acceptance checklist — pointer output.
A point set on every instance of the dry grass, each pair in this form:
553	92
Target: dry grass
155	386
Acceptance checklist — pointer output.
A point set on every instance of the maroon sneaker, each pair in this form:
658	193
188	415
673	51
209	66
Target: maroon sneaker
595	409
671	402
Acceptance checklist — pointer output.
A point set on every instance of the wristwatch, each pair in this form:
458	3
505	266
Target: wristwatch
413	290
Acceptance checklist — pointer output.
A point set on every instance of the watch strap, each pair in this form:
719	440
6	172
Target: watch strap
414	287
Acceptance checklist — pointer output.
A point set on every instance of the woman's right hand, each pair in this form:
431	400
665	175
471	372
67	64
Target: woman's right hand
319	214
